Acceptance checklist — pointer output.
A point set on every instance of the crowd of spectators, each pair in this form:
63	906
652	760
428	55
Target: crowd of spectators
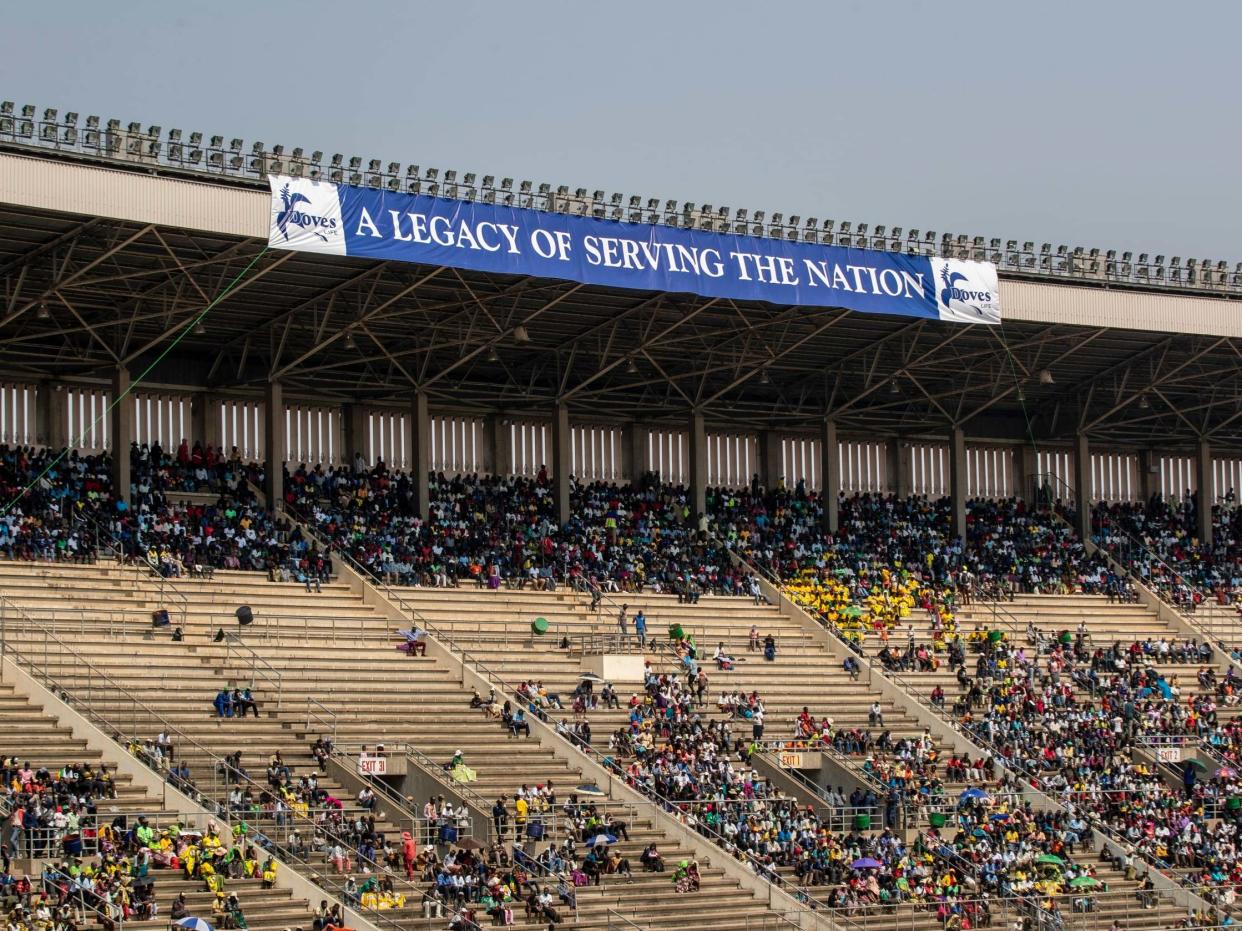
503	532
54	503
1159	539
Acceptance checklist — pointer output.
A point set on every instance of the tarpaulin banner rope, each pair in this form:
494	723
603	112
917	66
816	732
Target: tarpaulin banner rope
317	216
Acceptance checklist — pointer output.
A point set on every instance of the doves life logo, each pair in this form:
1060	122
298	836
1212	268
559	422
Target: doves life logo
951	292
292	215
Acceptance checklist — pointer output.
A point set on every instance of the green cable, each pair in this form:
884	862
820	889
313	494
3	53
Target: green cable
134	384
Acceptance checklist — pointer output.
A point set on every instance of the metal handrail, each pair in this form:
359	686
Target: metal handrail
259	667
425	764
612	914
998	757
164	585
324	715
526	861
89	710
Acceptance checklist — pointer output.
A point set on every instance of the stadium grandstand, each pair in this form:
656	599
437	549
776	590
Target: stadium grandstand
359	569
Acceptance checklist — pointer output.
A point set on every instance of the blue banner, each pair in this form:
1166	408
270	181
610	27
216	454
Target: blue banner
313	216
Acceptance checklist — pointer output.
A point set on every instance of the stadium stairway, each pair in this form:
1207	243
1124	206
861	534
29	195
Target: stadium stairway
334	649
35	735
496	625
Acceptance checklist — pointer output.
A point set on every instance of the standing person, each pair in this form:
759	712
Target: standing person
409	852
500	817
640	629
622	625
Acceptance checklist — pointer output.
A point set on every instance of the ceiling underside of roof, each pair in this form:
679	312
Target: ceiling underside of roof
81	296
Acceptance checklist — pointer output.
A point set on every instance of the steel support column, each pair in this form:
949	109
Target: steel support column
957	480
830	472
698	470
769	459
420	453
1082	486
274	444
1207	494
561	438
635	447
121	430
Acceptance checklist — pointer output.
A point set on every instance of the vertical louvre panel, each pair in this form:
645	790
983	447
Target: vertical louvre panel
595	453
864	466
800	462
1114	477
456	445
989	472
386	433
1058	464
929	469
1177	476
241	427
668	454
731	459
530	446
87	412
311	434
17	413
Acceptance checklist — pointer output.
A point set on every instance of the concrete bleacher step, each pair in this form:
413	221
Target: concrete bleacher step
378	695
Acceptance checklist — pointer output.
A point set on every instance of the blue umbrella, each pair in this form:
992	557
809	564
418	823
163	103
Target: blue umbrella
1000	816
866	863
601	839
973	793
194	924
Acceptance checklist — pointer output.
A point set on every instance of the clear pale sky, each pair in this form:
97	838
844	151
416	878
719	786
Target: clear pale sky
1103	124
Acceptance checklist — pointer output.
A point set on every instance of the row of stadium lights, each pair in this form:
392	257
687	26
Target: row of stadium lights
131	143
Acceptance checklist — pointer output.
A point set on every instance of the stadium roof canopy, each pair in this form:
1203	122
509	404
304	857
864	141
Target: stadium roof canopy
104	260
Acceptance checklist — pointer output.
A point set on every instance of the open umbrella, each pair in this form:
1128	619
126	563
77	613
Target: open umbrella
601	839
1084	882
589	789
865	863
1197	763
852	611
973	793
469	843
194	924
591	677
1050	858
1000	816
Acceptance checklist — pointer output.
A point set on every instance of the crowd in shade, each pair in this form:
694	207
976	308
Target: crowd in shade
503	532
1159	539
50	504
1009	547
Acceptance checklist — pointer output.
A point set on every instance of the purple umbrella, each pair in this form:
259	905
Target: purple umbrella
866	863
